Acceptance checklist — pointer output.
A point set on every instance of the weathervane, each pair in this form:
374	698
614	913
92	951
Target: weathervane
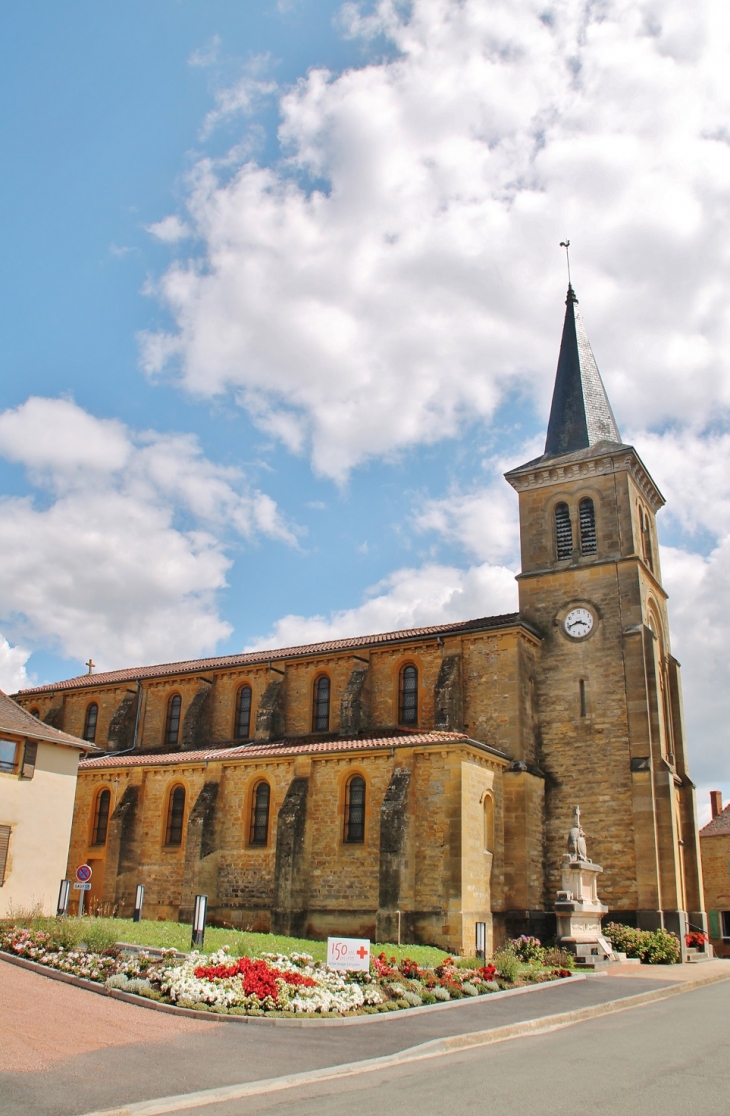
566	245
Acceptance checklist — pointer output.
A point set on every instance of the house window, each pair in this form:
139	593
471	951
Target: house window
408	696
725	923
175	817
8	749
243	713
587	519
321	705
355	810
172	726
92	716
101	817
4	847
30	755
563	532
260	815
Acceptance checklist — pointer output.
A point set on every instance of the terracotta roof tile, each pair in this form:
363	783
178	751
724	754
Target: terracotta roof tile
293	747
719	826
192	666
15	719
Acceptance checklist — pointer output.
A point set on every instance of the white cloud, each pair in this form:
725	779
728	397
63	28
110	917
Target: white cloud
483	522
124	554
384	284
13	675
408	598
169	230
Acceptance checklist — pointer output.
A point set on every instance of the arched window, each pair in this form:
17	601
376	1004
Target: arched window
35	713
321	705
175	817
243	713
259	834
488	823
172	725
408	696
563	532
587	519
101	817
355	810
92	716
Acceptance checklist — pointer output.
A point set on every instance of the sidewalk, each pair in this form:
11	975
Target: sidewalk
79	1052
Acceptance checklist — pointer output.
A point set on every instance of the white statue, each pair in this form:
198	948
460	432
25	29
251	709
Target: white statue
577	839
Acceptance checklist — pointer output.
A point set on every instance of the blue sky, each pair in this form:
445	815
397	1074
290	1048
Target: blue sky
283	295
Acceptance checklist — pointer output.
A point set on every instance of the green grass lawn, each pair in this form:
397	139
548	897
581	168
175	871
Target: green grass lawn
176	935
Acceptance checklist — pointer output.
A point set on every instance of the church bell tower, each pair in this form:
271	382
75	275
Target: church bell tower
607	687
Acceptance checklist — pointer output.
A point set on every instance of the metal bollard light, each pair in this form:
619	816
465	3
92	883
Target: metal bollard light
64	894
199	913
481	940
138	903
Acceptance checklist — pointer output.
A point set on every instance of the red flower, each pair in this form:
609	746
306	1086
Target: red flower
259	978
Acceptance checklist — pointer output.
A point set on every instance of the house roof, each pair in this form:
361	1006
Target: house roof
580	415
296	746
14	719
193	666
719	826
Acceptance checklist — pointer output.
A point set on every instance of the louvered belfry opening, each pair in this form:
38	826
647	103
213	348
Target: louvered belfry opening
587	517
563	532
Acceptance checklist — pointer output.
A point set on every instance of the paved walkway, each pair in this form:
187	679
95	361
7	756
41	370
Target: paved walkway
66	1051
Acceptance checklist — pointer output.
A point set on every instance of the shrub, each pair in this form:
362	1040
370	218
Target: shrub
528	950
506	964
469	988
98	936
559	959
411	998
627	939
663	948
428	998
440	993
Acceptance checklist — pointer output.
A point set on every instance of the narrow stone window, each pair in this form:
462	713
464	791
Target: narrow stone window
587	517
92	716
101	817
35	713
408	696
321	705
4	848
646	547
488	823
243	713
172	725
355	810
563	532
175	817
582	689
259	834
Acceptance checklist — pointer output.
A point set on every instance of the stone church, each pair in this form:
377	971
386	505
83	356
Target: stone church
404	786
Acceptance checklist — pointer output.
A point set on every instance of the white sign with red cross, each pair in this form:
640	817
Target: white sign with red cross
349	953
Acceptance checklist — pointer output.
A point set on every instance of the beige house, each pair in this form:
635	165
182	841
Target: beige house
38	766
715	846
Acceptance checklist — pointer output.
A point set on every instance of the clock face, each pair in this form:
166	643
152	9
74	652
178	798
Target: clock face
578	622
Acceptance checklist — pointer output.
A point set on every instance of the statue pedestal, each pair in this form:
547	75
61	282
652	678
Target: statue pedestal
579	912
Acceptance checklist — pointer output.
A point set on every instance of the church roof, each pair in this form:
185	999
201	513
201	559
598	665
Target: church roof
581	415
18	722
719	826
295	746
252	658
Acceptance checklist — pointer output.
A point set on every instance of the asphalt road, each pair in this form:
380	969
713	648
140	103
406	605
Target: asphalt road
671	1058
161	1055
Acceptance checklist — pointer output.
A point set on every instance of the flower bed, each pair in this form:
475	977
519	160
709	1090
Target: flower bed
269	984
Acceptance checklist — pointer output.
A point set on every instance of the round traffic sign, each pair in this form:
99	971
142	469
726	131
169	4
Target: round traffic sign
83	873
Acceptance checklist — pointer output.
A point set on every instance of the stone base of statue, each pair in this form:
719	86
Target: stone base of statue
579	912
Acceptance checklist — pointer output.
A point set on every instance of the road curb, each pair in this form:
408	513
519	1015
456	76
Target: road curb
432	1049
262	1021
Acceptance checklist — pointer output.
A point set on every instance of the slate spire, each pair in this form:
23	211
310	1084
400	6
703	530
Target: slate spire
580	415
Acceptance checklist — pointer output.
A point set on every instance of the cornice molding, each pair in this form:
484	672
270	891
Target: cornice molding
543	474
